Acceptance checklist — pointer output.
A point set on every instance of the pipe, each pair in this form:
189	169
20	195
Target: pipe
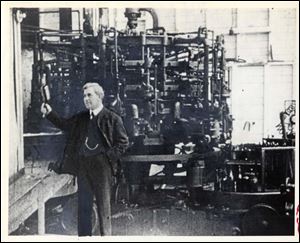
148	69
135	111
177	110
282	118
215	68
164	58
116	58
102	53
155	90
206	78
153	14
83	62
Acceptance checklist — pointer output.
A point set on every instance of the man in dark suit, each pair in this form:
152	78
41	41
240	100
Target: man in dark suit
95	141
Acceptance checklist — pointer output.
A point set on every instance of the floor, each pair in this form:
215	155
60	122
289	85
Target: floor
163	213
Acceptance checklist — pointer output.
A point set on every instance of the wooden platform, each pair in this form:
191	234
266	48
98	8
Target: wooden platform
30	192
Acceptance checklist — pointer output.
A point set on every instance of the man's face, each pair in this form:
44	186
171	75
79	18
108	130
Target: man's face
91	99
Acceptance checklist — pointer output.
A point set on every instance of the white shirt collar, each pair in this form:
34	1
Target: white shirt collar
96	111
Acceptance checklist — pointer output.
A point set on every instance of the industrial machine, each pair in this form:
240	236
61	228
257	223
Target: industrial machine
169	88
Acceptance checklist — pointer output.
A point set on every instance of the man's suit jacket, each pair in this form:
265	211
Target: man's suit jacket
110	127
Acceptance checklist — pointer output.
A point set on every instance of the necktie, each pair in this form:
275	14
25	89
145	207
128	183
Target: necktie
91	115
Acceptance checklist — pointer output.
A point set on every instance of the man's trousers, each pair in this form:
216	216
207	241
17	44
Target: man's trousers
94	179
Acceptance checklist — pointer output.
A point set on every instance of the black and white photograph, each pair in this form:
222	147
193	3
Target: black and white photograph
149	121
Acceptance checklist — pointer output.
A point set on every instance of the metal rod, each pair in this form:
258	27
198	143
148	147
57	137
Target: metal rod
60	34
50	11
164	58
42	134
116	61
155	91
83	62
56	43
183	33
143	46
206	67
215	66
102	46
148	68
263	155
277	148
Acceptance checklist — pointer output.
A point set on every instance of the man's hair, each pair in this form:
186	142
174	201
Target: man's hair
97	88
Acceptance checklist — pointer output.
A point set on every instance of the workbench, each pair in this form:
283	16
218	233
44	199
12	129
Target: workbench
30	193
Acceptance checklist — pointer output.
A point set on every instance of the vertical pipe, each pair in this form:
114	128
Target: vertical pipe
206	126
40	50
143	45
83	61
84	13
148	68
115	17
102	54
222	69
263	158
281	116
116	60
35	74
79	23
155	91
95	20
213	36
35	49
164	57
177	110
206	66
153	15
222	79
215	67
40	65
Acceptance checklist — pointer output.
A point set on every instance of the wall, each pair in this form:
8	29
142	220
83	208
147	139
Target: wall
268	84
247	103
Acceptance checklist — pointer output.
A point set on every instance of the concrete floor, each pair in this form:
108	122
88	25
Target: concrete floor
159	214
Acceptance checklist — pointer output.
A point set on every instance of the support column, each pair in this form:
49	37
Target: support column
16	143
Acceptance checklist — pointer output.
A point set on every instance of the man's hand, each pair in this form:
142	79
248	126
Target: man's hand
45	109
